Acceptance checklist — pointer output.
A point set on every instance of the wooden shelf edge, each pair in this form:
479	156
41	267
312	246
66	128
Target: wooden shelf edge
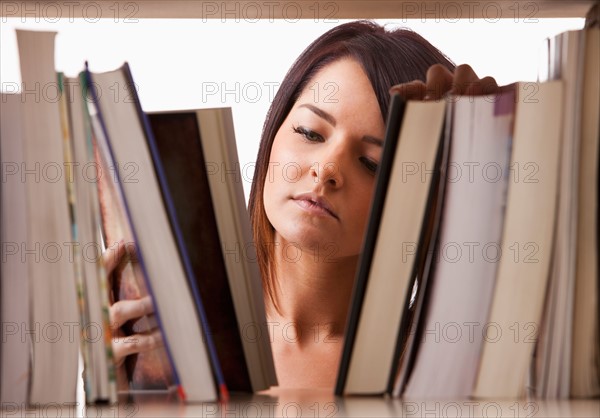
292	11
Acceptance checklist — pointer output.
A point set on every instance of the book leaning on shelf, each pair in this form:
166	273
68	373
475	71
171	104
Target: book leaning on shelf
226	293
121	140
197	151
568	355
90	274
464	288
39	300
176	271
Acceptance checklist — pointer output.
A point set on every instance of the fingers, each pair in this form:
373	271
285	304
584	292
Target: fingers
466	82
441	81
464	79
438	82
137	343
415	90
488	85
125	310
114	255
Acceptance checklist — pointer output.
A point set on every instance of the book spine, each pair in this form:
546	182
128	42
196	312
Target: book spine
91	391
101	270
424	267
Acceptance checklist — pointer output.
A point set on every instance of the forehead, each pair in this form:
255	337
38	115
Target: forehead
343	89
341	76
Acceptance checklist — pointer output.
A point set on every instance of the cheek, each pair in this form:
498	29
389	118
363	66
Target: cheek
285	155
270	195
276	187
288	163
364	197
277	160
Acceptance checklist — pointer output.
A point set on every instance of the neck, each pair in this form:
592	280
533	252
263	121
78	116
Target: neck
313	290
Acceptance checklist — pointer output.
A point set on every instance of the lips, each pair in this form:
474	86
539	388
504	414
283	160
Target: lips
315	204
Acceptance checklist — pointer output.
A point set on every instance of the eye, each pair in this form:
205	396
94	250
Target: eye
308	134
369	164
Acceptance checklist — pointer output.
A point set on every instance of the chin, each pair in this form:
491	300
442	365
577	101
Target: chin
319	245
321	237
307	239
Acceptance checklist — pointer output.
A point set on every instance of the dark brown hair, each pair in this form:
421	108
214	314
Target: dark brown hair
387	57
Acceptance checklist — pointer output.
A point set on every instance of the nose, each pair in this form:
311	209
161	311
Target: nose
328	171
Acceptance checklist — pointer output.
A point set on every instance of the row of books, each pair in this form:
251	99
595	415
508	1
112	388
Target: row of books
89	173
479	272
478	275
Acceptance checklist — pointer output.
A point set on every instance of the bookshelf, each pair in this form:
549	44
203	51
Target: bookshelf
317	403
312	402
301	9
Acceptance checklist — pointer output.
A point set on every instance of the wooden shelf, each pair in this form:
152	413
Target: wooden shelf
315	403
322	403
295	10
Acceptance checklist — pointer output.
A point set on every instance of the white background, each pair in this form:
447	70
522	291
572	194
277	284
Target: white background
185	63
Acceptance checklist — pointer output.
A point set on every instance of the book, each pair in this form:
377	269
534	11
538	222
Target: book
554	349
14	287
42	312
387	269
124	133
191	151
77	259
527	242
465	263
96	337
566	341
234	229
150	369
585	353
425	263
393	122
52	299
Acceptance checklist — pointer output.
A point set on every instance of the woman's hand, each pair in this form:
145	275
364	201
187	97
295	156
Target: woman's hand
440	81
125	310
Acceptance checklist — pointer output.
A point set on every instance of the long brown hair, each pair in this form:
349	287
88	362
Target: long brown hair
387	57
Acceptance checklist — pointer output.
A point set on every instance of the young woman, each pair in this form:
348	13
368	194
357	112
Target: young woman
312	189
316	171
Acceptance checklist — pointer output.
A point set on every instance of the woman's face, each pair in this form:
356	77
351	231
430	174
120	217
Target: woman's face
322	165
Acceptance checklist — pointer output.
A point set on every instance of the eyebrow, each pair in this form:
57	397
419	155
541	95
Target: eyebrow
372	140
331	120
321	113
